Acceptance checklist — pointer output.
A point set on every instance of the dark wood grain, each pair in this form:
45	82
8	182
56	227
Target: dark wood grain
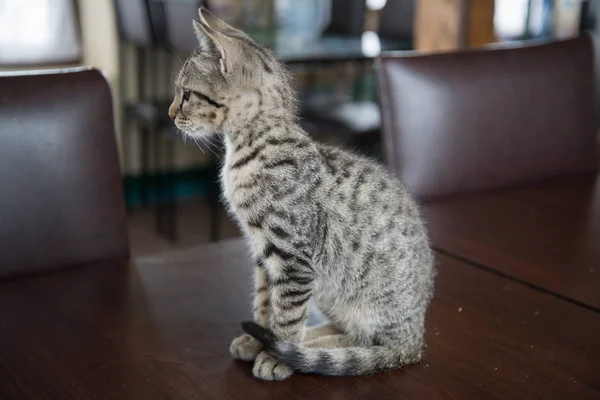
547	236
160	328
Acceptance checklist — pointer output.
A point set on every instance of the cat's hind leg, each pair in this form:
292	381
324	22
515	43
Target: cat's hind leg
315	332
330	342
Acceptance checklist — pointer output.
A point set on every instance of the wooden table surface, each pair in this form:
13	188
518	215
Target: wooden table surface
546	236
160	328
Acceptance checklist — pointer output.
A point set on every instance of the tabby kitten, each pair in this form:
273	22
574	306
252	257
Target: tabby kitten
322	224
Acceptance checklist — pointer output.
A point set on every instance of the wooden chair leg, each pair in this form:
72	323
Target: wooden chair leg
158	185
171	188
166	204
145	166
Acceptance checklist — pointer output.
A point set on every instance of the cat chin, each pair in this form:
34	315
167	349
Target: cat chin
199	132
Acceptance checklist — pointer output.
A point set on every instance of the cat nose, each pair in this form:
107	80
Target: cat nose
173	110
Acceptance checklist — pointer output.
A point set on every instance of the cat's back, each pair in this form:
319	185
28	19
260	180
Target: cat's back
376	239
360	185
368	209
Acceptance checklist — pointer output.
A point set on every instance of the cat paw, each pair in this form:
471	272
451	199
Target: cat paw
268	368
245	348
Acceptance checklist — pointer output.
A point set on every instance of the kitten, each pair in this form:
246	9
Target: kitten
322	223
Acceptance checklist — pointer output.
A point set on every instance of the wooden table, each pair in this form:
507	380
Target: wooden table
160	328
546	236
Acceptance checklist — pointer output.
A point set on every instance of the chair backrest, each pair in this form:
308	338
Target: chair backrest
488	119
179	31
347	17
397	19
62	199
134	21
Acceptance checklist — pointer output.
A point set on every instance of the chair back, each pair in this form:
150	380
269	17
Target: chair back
62	200
134	22
397	19
489	118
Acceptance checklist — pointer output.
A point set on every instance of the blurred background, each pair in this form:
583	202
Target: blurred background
171	187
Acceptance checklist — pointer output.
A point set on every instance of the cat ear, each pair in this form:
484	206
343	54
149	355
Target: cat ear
206	42
228	49
215	23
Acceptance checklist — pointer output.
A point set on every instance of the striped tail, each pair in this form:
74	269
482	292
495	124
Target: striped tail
337	361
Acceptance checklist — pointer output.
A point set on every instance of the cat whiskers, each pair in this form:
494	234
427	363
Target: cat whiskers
208	144
205	142
195	139
216	145
182	134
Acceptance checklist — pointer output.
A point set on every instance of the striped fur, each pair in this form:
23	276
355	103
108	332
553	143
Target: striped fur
323	225
347	359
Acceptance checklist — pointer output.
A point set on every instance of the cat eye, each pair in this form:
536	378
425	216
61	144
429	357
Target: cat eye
186	94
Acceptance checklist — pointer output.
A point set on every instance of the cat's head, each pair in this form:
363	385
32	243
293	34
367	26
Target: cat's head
225	80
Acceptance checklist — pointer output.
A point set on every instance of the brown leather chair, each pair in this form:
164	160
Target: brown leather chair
490	118
396	20
62	199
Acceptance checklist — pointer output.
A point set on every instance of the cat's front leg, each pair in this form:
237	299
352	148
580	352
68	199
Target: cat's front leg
290	277
245	347
290	293
262	296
